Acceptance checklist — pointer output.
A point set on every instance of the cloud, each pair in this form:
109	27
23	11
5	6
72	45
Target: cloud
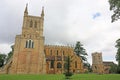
5	48
66	21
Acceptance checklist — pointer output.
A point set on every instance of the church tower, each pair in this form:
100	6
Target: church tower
29	57
97	63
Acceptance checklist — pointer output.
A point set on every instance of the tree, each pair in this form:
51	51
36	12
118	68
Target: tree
2	59
5	58
10	53
115	7
118	54
67	66
88	66
113	68
80	51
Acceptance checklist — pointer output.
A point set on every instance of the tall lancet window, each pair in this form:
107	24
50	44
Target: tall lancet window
29	44
75	64
26	46
32	44
31	23
35	25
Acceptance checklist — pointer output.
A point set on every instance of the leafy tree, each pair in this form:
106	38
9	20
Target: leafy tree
67	68
115	7
80	51
118	54
113	68
2	59
5	58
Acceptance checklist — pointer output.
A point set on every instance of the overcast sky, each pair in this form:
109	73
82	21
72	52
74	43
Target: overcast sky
66	21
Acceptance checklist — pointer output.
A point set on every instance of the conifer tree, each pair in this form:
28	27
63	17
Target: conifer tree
67	66
80	51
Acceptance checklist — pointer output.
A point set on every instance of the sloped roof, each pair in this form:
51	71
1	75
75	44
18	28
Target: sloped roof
108	63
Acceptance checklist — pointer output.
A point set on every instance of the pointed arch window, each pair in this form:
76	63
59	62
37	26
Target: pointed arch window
29	44
32	44
31	23
75	64
59	65
52	64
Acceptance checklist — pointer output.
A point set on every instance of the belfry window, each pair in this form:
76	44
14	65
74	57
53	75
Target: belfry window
32	44
29	44
26	44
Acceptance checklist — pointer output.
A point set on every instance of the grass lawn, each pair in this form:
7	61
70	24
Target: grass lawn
61	77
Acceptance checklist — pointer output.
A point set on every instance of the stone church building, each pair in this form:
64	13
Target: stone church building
100	66
32	56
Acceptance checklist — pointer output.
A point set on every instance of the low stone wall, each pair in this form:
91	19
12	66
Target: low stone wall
2	71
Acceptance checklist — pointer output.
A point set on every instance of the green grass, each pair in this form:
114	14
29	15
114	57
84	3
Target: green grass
61	77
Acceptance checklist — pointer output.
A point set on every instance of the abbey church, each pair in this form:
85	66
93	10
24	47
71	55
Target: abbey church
32	56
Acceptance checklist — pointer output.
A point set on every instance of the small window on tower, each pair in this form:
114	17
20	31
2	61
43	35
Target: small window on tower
26	46
30	44
35	24
57	52
31	23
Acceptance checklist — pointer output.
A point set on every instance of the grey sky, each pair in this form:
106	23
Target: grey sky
66	21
